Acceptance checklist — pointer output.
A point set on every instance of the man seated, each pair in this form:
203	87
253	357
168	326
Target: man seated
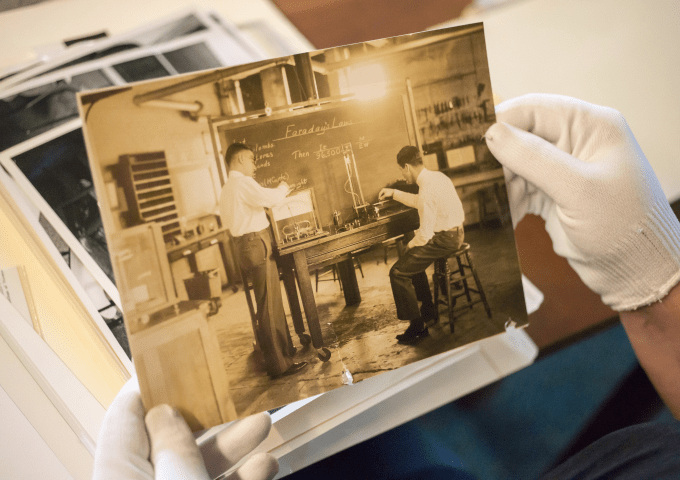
440	234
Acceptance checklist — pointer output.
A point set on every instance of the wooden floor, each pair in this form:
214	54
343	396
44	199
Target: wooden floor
362	338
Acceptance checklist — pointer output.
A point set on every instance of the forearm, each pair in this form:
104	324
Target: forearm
276	195
654	333
259	196
421	238
408	199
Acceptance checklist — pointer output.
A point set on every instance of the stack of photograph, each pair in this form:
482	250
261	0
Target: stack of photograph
42	152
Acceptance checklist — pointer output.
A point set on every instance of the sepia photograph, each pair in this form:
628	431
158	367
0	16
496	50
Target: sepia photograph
286	227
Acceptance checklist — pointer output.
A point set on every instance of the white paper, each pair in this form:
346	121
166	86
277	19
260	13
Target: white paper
12	289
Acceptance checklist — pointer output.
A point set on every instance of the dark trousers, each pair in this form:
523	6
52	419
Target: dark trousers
408	278
648	450
414	451
259	267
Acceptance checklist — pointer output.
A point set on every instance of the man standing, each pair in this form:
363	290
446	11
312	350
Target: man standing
440	234
242	204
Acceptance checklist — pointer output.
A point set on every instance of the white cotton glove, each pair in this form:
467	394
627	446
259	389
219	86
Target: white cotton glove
161	446
578	166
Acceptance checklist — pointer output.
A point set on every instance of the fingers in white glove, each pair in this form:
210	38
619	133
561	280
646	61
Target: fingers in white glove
174	452
225	449
524	198
123	445
570	124
536	160
261	466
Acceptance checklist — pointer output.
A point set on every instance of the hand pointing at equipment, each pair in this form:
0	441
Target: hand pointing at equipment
385	194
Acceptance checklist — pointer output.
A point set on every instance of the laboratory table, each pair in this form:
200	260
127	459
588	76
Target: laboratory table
298	260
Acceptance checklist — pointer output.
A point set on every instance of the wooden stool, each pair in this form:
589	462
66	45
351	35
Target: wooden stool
324	271
443	277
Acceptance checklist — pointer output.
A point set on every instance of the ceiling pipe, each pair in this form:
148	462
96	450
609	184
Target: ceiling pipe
192	107
223	73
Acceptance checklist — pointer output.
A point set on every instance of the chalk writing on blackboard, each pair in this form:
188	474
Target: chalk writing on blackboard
325	151
275	180
266	146
300	183
293	130
307	149
362	143
284	177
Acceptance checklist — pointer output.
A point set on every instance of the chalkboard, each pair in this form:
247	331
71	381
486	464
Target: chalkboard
305	149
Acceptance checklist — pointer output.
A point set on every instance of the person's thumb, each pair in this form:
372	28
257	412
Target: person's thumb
123	444
174	452
552	170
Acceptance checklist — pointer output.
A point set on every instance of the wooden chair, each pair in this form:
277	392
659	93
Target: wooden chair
334	270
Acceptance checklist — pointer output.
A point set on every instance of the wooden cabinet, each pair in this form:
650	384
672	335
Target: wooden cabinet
178	362
142	270
174	348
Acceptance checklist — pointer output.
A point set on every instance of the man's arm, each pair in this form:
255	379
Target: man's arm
258	196
654	333
408	199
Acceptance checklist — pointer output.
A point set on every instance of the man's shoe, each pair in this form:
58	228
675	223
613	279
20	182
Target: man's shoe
413	330
413	339
294	368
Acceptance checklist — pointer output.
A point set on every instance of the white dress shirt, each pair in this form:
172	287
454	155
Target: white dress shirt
242	203
439	207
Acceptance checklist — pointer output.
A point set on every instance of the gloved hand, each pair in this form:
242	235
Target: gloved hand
161	446
579	167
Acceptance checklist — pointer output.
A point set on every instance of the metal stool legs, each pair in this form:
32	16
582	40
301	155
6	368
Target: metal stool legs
443	278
